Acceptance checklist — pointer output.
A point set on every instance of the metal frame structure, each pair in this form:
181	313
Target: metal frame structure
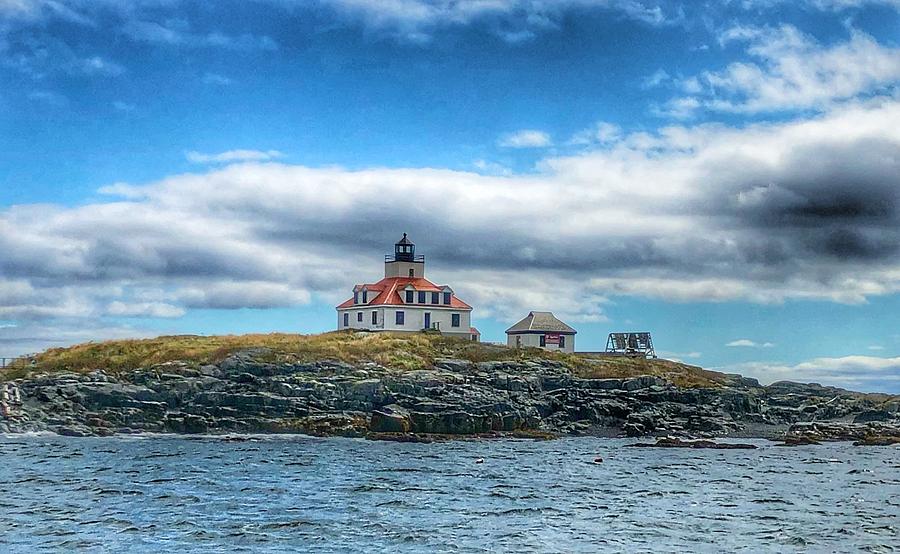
418	258
10	363
631	344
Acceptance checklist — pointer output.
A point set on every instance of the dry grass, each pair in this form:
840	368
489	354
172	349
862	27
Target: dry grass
682	375
395	351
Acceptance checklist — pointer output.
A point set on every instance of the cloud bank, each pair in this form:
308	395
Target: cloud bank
804	209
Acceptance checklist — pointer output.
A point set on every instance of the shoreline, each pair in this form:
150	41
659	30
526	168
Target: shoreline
248	394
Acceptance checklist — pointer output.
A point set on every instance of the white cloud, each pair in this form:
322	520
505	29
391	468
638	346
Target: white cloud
99	66
40	56
247	294
678	108
876	347
839	5
216	79
48	97
515	20
178	32
680	357
39	9
792	71
749	343
864	373
525	138
491	168
144	309
31	337
656	78
232	156
601	133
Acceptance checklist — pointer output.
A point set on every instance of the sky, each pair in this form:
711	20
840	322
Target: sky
723	173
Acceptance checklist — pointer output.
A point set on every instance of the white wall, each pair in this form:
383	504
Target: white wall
401	269
414	319
366	323
534	340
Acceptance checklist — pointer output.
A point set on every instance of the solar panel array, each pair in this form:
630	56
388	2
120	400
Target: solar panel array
631	343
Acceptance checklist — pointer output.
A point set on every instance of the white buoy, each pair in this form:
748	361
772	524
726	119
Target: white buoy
479	460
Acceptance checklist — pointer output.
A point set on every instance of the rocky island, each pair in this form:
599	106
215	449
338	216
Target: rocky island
416	387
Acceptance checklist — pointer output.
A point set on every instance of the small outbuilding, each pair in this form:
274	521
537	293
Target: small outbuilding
541	330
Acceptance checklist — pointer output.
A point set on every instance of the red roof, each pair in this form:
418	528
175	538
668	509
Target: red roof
389	289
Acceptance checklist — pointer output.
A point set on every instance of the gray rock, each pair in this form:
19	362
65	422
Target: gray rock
451	364
874	415
390	419
73	431
248	393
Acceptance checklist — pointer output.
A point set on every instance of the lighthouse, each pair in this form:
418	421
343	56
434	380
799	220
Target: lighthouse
405	301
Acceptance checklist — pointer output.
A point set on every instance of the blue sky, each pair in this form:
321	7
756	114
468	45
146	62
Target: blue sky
721	173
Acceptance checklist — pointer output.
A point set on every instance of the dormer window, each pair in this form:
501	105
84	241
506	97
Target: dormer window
356	297
435	298
447	298
365	298
409	297
421	297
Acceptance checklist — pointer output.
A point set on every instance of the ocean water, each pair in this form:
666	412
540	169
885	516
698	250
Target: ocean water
300	494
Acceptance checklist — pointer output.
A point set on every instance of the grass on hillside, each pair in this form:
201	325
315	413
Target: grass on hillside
395	351
677	373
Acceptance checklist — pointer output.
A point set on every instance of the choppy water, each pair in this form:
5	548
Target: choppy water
341	495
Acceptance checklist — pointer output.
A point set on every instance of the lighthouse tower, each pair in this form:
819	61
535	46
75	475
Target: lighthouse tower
404	262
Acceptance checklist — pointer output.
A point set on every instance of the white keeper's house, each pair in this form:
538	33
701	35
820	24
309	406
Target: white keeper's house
405	301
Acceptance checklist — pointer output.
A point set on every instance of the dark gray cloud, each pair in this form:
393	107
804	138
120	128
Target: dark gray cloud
836	199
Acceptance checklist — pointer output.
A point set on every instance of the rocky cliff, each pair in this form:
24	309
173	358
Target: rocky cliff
250	391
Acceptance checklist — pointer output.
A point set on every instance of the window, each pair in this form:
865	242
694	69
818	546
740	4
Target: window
398	318
374	318
435	297
346	319
358	316
409	297
412	272
447	298
421	297
356	297
543	340
365	297
454	320
562	341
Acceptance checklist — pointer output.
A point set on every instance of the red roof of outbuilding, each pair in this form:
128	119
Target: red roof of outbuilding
389	288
